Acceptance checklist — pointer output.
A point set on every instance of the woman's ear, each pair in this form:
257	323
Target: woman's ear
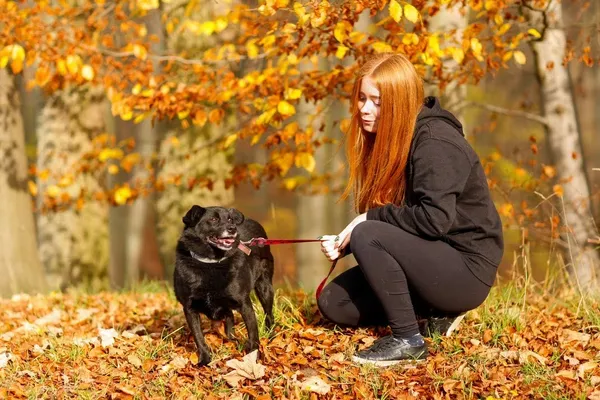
192	217
237	216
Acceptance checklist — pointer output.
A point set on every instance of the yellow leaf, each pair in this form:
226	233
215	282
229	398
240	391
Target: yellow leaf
140	52
290	183
113	169
507	56
32	188
53	191
268	41
4	61
520	57
476	46
254	140
395	10
220	24
230	140
252	48
122	194
208	28
17	52
434	45
381	47
504	28
411	13
147	4
341	31
533	32
306	161
506	209
458	55
87	72
286	108
66	181
341	51
427	59
73	62
299	9
183	114
410	38
293	94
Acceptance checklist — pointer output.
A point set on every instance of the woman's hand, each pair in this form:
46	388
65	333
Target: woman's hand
332	246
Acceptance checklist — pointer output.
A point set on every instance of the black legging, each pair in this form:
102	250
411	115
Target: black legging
399	275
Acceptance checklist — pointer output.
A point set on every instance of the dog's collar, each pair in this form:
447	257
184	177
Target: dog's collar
206	260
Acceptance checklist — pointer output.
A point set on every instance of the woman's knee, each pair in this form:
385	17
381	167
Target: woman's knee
333	307
364	234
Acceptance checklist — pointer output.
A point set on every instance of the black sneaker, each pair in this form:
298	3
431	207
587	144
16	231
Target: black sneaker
439	325
389	350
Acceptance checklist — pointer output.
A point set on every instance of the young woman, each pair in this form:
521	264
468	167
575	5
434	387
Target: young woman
428	239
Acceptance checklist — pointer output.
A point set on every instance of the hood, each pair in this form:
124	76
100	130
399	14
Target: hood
433	110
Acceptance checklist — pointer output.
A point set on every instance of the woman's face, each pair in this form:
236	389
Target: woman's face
368	105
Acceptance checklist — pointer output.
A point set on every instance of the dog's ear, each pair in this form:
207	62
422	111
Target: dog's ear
192	217
237	216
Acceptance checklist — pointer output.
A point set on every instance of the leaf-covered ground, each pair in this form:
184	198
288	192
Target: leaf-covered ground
136	345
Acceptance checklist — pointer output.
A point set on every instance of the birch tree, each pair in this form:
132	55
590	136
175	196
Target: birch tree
564	138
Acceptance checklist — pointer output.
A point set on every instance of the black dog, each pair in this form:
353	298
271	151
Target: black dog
214	275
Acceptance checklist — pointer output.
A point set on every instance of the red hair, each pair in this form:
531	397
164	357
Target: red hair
377	161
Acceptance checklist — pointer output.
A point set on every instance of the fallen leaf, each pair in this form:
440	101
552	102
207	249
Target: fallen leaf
179	362
337	357
5	358
574	336
107	336
316	385
595	395
248	368
595	380
487	336
134	360
585	368
567	374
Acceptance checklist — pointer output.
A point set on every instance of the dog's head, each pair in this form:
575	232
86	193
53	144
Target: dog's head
216	226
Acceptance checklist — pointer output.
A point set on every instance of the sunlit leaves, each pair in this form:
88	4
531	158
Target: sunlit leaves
15	54
147	4
395	10
411	13
520	57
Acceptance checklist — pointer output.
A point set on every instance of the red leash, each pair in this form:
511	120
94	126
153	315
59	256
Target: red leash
260	242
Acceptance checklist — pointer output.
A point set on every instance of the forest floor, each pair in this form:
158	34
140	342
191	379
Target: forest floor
521	343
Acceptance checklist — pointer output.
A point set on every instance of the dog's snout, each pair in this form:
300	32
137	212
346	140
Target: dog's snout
231	229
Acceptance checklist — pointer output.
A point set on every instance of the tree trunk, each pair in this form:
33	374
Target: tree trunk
19	263
564	138
450	19
73	243
141	248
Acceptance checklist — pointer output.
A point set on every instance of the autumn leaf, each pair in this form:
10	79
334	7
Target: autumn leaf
315	384
519	57
306	161
411	13
285	108
341	51
247	368
395	10
533	32
87	72
122	194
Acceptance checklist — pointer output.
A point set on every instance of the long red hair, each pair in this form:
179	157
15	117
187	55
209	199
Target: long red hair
377	161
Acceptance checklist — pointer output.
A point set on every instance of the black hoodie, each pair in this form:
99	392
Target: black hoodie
447	195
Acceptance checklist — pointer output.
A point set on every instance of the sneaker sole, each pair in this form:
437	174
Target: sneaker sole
455	324
363	361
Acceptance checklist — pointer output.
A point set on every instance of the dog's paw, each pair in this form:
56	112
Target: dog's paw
204	359
250	346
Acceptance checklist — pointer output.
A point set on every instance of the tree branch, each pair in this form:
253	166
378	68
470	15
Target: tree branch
505	111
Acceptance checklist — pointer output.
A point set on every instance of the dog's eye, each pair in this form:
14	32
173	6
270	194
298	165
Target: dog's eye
229	220
214	219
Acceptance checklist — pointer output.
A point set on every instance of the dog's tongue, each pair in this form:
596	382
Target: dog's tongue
227	241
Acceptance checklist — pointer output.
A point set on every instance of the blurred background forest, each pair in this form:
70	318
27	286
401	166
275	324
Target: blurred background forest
248	102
